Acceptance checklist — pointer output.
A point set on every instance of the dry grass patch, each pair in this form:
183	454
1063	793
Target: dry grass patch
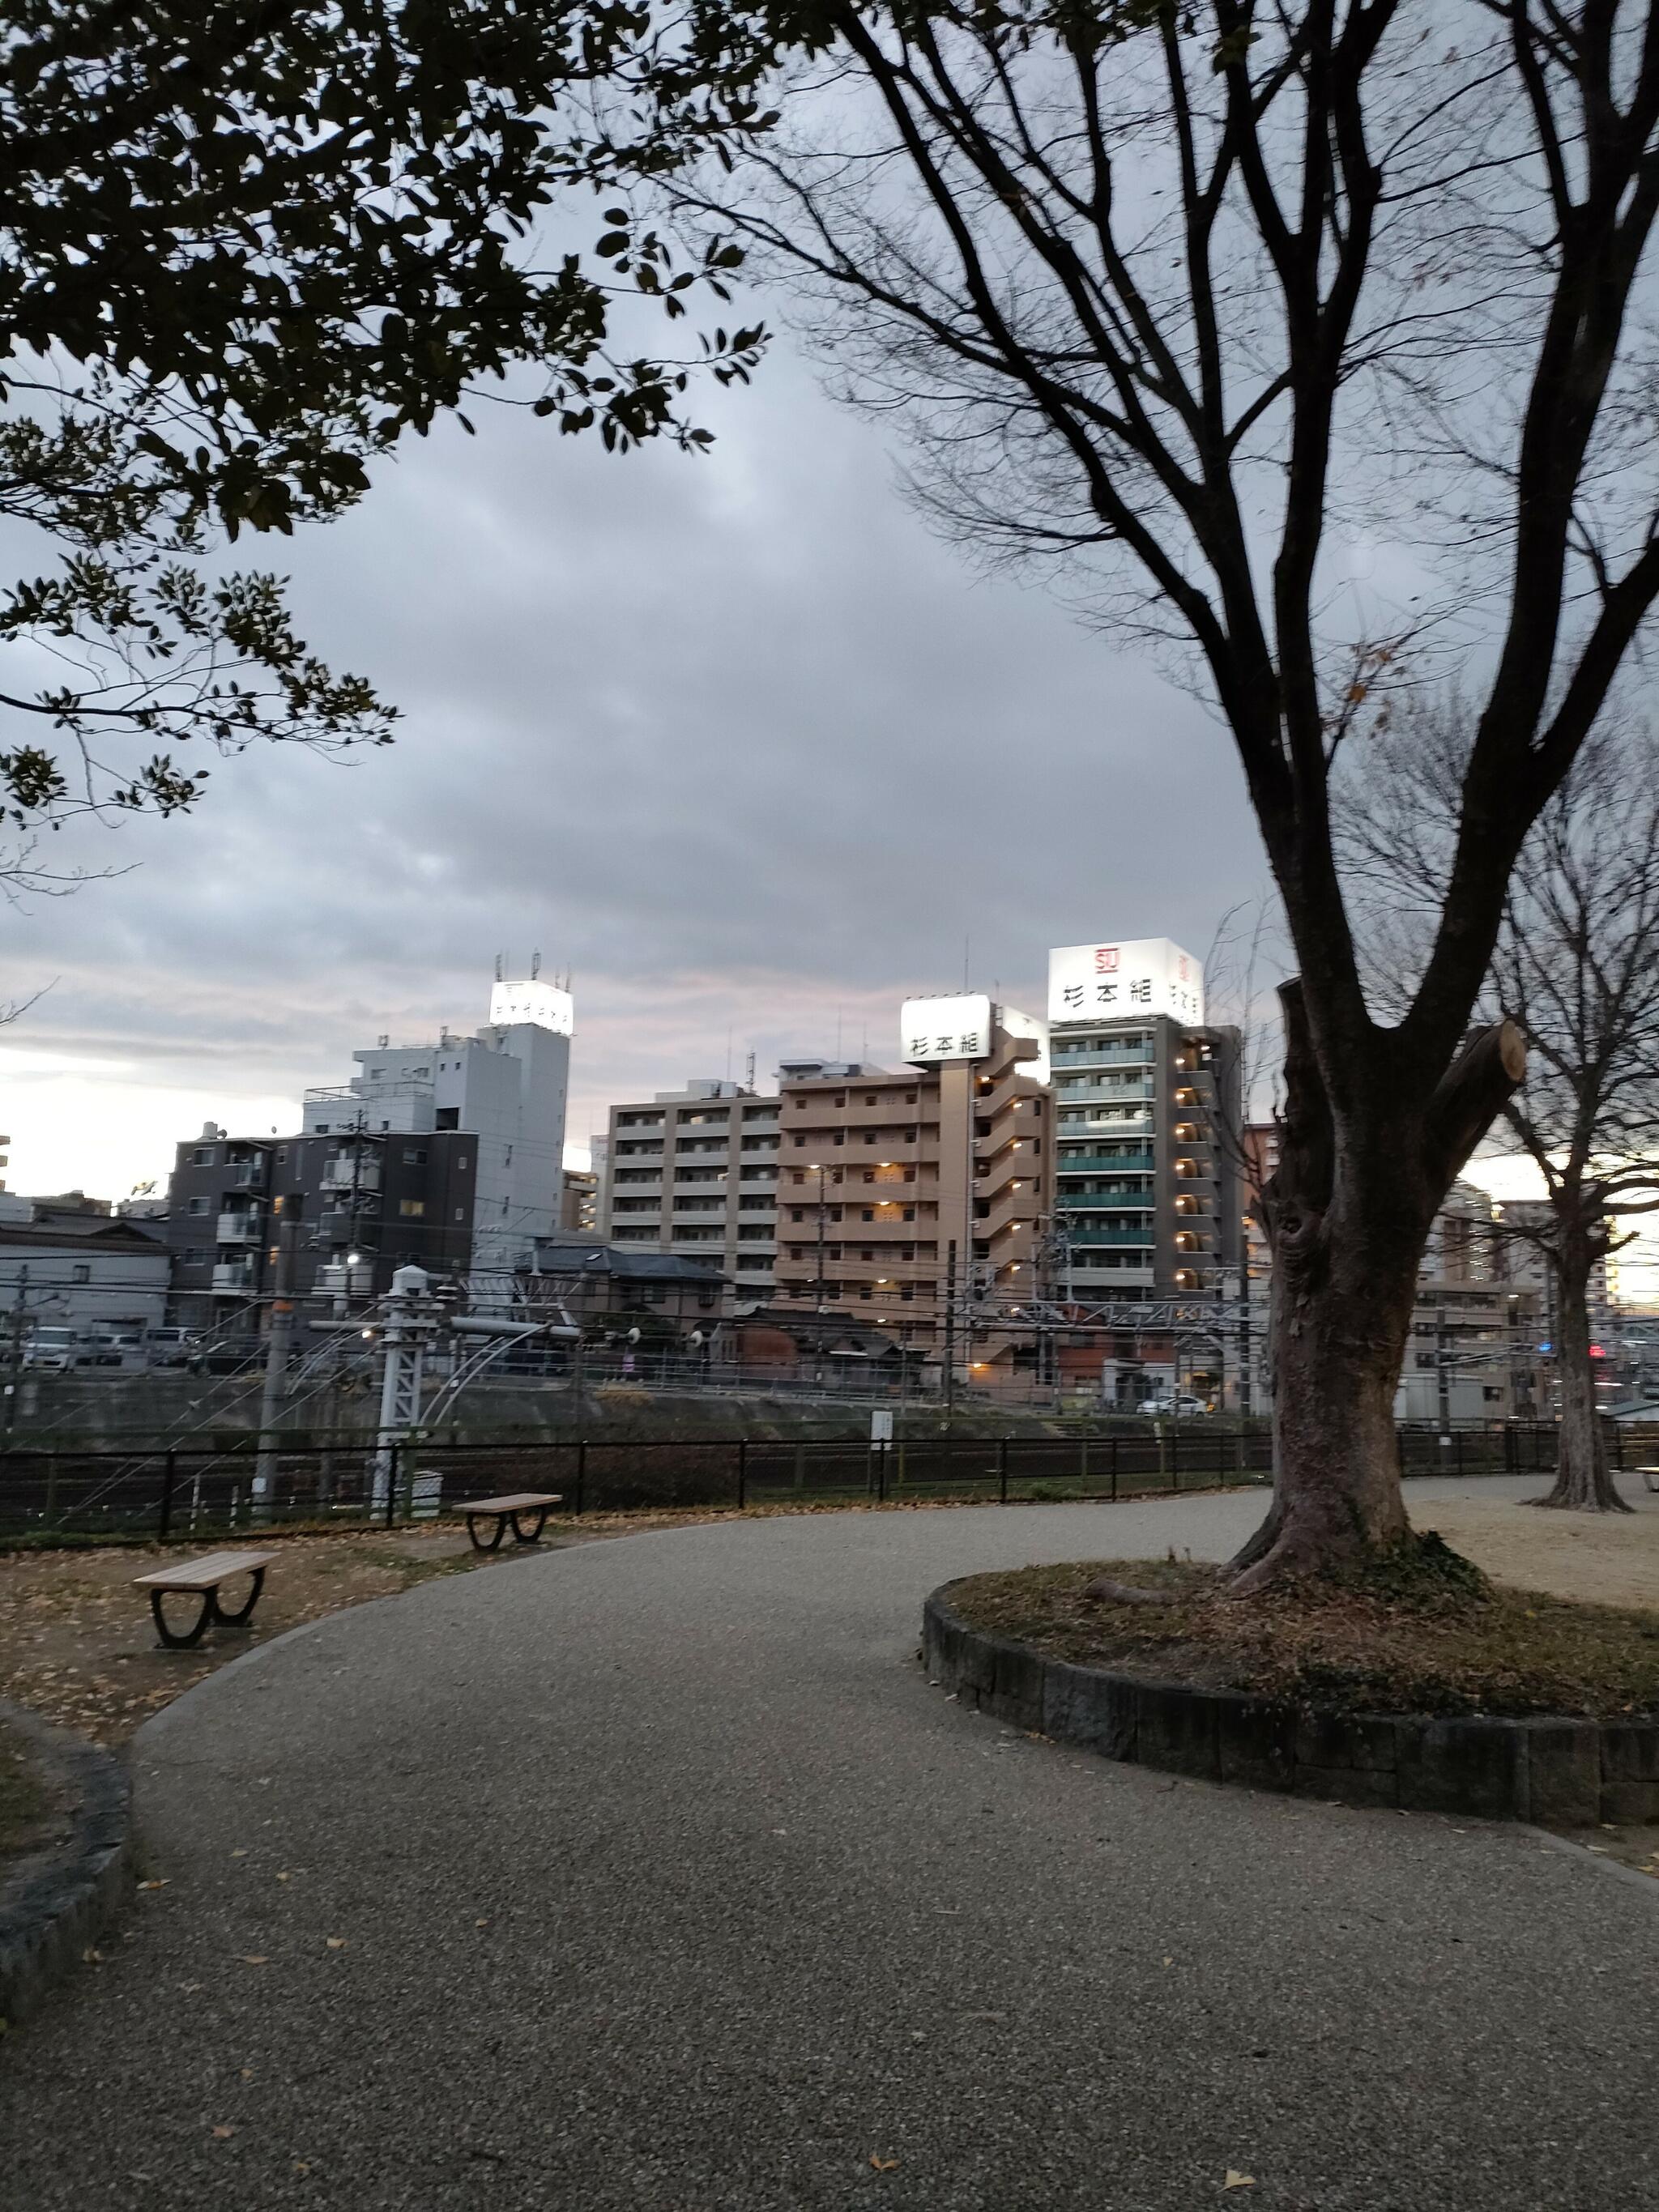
1443	1642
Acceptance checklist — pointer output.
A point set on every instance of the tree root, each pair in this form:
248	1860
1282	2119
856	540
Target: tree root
1108	1592
1554	1503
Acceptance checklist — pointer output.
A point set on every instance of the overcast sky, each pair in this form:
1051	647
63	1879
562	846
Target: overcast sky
734	739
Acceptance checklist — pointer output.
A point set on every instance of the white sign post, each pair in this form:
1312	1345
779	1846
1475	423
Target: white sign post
945	1029
1143	976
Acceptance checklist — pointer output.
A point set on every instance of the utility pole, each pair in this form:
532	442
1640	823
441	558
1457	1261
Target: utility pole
818	1340
1244	1405
1442	1368
15	1350
950	1327
277	1348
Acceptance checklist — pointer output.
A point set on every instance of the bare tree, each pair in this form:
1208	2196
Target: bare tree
1577	964
1195	300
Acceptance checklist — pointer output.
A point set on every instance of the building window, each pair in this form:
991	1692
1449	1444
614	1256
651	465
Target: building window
81	1272
200	1206
411	1208
800	1139
460	1213
446	1117
412	1157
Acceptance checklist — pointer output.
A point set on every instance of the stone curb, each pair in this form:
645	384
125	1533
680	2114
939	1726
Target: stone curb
58	1903
1564	1772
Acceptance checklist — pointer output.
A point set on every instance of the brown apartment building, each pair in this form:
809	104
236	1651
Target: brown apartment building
916	1201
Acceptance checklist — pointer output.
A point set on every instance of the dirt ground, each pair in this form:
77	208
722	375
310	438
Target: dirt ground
1611	1557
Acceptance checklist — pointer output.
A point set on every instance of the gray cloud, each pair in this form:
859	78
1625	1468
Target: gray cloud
733	738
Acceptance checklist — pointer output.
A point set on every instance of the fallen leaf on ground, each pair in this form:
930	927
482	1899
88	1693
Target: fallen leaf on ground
223	2134
248	2073
882	2165
238	1855
285	1877
153	1885
1238	2180
92	1957
336	1942
254	1959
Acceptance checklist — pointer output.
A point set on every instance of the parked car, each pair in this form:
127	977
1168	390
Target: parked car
50	1347
111	1348
169	1347
1179	1409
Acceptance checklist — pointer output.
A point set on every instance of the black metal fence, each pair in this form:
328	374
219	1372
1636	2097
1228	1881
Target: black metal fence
173	1493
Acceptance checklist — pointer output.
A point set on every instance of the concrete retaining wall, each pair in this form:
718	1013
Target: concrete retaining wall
1564	1772
55	1903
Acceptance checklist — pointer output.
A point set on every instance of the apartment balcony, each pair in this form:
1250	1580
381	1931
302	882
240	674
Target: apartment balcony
1101	1055
1104	1201
351	1173
1105	1163
232	1278
1138	1124
247	1175
239	1228
335	1279
1147	1236
1068	1093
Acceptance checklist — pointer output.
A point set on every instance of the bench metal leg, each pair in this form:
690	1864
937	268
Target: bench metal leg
235	1619
495	1543
192	1635
519	1535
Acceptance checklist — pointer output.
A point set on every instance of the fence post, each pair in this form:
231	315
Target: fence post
581	1471
881	1474
743	1473
168	1474
1115	1468
1002	1470
1617	1448
392	1456
1174	1456
1457	1450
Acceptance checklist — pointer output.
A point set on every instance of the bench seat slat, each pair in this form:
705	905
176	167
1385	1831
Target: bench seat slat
204	1574
524	1501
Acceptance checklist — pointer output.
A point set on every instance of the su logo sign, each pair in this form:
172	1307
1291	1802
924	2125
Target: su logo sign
1105	959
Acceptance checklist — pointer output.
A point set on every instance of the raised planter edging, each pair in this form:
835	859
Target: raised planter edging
1563	1772
55	1906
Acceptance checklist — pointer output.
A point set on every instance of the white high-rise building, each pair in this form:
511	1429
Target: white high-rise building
507	1086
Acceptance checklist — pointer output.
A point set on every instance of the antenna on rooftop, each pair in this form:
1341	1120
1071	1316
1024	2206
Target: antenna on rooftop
535	965
499	957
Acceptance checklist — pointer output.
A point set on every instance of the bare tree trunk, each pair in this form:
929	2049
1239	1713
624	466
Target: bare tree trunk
1583	1480
1349	1211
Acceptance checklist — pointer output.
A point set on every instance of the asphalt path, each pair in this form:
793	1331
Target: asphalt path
654	1873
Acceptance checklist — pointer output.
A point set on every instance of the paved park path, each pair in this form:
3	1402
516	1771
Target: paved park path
652	1873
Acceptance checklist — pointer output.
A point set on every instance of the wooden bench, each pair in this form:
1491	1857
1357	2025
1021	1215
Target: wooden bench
203	1577
1649	1477
501	1511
